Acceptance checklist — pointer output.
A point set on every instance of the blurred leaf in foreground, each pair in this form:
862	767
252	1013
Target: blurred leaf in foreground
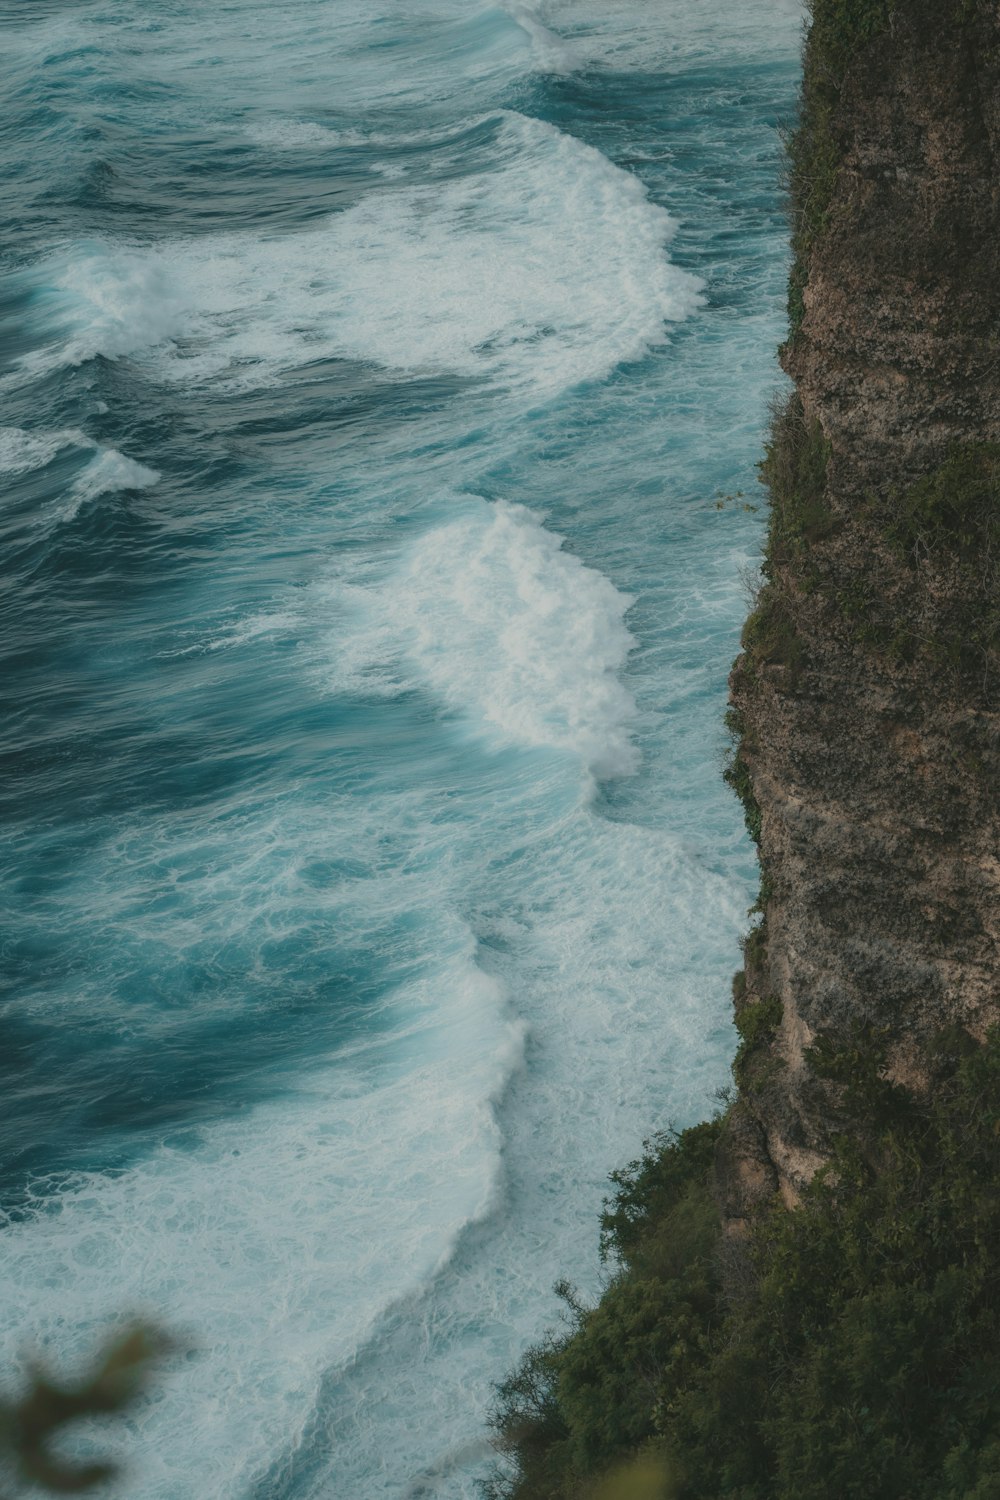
28	1426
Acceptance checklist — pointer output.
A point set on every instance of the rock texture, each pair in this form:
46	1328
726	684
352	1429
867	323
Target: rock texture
868	694
899	351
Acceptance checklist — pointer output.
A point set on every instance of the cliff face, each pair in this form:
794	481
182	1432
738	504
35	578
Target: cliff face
866	699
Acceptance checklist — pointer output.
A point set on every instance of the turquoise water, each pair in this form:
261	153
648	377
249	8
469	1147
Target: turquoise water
371	375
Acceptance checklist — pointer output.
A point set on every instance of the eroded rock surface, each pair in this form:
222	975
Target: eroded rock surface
868	693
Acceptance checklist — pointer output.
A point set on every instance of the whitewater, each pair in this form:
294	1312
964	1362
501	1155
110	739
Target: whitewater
381	387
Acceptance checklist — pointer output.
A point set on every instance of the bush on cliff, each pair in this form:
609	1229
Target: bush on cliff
857	1353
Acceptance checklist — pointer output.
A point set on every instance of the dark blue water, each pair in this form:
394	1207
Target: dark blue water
378	384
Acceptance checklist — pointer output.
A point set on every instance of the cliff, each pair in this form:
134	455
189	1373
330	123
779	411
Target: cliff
804	1298
866	697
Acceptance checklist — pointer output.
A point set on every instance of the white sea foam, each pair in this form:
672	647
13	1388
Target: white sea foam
618	943
252	627
543	269
275	1240
291	135
21	451
507	629
287	134
107	471
307	135
552	53
112	300
365	56
620	35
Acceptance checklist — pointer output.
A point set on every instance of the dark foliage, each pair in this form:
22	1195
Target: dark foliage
794	470
860	1355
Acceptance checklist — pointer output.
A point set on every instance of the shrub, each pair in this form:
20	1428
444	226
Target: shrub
955	510
860	1358
794	470
756	1023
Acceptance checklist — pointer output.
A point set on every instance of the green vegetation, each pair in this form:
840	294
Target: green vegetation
954	510
944	605
756	1025
755	947
581	1403
815	150
856	1352
737	776
769	635
945	529
794	470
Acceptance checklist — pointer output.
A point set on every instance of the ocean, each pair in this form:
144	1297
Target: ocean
381	387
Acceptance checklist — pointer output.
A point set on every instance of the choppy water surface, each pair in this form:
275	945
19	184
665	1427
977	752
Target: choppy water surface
370	372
